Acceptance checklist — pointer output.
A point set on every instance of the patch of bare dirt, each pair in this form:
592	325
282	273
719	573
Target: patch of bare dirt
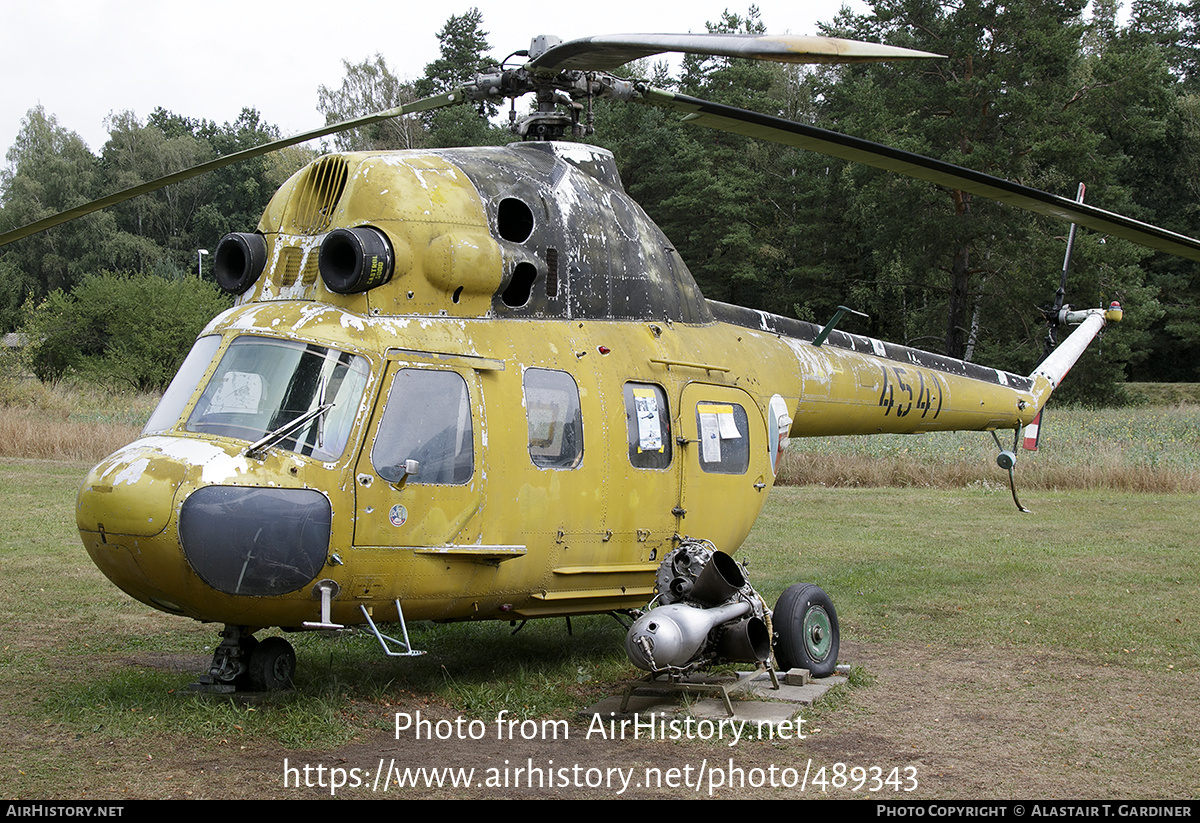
947	723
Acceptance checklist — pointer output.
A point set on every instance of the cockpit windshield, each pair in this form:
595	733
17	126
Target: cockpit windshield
262	385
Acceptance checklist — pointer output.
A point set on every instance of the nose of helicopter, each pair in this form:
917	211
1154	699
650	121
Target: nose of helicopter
123	508
131	492
174	523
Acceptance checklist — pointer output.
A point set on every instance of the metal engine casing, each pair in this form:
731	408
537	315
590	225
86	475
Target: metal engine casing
705	612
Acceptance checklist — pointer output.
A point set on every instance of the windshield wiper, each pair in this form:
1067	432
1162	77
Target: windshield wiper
256	448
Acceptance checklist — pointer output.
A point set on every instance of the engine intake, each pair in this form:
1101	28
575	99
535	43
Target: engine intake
240	259
707	613
356	260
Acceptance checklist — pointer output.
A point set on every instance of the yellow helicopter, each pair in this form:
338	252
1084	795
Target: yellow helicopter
480	384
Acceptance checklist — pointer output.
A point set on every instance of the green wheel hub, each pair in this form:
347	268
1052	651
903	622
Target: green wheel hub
818	633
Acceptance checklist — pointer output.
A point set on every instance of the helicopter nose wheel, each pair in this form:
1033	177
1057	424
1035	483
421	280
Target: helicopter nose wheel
807	634
272	665
241	662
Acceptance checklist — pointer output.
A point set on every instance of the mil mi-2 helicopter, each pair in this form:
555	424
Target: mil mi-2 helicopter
480	384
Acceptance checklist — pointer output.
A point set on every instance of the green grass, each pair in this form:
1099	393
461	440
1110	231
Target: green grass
901	565
1107	577
1111	575
1111	579
1138	448
83	653
1163	393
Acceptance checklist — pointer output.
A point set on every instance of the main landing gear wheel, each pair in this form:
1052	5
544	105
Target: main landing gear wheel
272	665
806	628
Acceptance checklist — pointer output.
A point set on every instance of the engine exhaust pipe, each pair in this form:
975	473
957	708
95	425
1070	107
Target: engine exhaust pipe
746	641
720	580
241	257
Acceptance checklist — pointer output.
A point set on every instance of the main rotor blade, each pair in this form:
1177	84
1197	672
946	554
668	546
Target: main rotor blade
425	104
609	51
798	135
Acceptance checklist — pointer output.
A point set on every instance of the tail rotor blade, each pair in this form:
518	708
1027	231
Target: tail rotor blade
1061	295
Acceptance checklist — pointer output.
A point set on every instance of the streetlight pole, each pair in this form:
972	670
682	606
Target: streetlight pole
200	263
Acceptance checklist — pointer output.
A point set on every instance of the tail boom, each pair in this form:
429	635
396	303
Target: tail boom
1049	374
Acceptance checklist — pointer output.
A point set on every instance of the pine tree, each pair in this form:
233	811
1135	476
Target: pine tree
463	47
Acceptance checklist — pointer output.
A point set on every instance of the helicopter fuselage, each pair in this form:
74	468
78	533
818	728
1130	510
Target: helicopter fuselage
518	419
556	462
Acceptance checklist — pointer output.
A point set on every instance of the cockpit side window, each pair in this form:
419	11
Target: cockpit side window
183	385
427	419
263	385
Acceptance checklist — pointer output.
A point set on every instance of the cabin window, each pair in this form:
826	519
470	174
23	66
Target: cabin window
427	419
555	419
262	386
724	435
649	425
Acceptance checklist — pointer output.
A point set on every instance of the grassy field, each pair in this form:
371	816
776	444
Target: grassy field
1051	654
1111	576
1106	583
67	421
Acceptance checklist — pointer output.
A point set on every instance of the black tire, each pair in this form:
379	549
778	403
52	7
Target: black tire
272	665
806	630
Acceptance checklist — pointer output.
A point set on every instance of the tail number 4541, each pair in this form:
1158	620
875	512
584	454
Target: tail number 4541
898	391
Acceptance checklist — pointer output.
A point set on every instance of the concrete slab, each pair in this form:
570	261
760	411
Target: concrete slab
751	711
770	711
759	684
644	705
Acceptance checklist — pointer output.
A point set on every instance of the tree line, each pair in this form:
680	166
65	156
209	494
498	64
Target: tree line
1039	93
1050	94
